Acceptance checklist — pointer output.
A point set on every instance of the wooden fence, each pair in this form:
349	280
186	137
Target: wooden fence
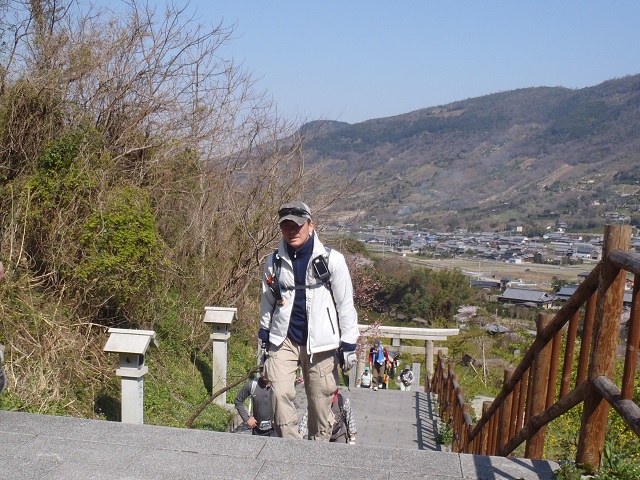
530	399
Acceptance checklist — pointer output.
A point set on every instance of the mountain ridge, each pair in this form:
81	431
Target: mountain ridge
513	156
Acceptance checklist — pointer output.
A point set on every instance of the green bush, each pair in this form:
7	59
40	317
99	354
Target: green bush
175	387
615	465
122	251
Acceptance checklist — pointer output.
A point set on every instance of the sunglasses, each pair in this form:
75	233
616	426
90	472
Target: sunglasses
298	212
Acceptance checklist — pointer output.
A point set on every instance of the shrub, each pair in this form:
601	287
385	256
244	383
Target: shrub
122	253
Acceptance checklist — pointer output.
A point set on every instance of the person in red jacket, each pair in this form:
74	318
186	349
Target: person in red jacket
378	361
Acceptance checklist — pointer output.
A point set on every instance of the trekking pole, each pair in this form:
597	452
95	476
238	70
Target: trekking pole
204	404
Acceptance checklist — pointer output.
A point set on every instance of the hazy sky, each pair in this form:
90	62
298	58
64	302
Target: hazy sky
354	60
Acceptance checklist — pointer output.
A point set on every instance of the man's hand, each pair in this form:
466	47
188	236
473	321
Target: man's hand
252	422
349	358
263	335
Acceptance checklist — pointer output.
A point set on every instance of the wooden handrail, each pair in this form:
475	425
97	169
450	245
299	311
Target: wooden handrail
625	261
563	405
629	411
521	410
582	293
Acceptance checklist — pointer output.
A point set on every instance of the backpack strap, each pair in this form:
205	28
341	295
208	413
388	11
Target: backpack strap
273	282
252	394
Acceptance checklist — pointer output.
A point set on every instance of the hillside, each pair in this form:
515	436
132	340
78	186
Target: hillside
532	156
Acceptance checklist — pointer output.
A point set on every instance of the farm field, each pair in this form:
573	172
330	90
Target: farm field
526	274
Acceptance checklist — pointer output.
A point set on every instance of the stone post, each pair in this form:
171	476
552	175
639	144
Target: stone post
429	357
220	319
416	376
132	346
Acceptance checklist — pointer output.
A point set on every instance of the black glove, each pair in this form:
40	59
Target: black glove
263	335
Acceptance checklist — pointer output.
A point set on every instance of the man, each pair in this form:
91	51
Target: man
366	378
406	379
378	360
393	366
261	419
306	314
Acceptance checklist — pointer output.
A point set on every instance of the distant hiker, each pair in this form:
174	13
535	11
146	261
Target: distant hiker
344	424
406	379
366	378
261	418
378	361
306	317
395	361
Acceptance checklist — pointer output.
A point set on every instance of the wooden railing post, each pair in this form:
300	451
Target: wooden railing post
553	369
535	445
437	379
633	342
484	433
466	421
451	380
452	396
495	425
527	402
524	384
457	418
505	414
515	402
491	434
606	333
572	334
587	337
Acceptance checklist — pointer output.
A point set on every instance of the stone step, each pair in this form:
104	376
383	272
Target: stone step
44	447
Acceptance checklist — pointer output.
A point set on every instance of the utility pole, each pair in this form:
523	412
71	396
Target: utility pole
484	367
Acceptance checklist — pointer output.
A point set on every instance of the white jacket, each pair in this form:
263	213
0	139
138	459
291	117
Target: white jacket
326	327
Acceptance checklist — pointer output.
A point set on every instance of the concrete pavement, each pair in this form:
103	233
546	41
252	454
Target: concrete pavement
393	443
385	417
393	418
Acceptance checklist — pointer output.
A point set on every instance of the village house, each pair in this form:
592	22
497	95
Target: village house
586	251
525	297
566	291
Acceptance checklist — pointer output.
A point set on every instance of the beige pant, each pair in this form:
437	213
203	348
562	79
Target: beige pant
319	383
